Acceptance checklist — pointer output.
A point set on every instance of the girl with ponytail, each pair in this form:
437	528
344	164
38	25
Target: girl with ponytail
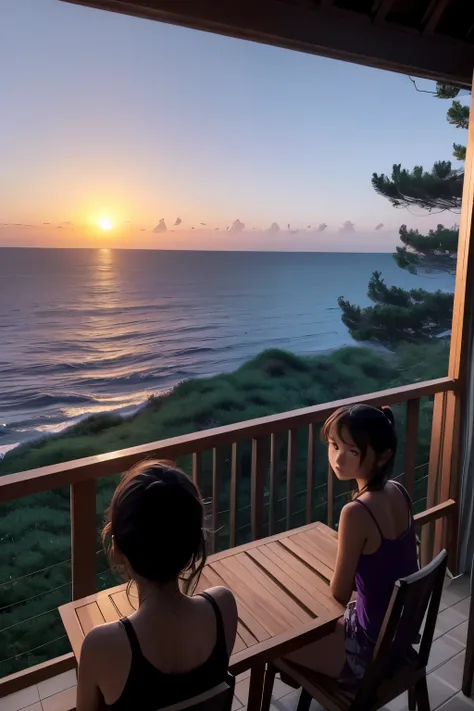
176	645
376	539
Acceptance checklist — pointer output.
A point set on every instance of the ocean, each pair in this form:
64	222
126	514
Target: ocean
86	331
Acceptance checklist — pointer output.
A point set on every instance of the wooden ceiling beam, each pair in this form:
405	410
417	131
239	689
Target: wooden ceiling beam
433	15
341	35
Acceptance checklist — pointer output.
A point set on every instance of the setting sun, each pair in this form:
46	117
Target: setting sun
105	223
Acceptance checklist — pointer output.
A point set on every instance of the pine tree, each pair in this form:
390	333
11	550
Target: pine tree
415	315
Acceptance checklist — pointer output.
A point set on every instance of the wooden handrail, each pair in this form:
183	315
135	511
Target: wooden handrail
446	508
14	486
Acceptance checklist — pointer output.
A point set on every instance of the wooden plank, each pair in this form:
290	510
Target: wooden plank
34	675
304	553
123	604
446	508
211	578
288	582
260	457
108	609
239	644
290	472
89	616
284	643
234	478
347	36
310	471
411	442
292	610
302	571
383	9
323	549
13	486
272	502
255	597
257	676
83	538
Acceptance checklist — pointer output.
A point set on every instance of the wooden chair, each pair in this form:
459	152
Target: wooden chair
468	672
413	598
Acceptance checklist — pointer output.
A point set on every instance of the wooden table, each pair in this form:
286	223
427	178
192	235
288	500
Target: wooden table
281	584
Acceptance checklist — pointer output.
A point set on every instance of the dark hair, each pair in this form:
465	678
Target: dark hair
368	427
156	519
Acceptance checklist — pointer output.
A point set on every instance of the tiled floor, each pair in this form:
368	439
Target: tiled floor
444	679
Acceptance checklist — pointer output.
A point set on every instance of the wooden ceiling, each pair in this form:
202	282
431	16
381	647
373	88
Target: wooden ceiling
426	38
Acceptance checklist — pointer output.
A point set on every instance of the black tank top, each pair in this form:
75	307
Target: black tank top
149	689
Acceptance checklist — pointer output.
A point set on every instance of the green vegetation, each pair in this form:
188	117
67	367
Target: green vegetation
416	315
35	535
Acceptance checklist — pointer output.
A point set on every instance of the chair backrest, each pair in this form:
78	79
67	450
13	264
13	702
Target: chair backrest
217	699
413	598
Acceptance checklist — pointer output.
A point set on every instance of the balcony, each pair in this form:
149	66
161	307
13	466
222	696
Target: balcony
259	477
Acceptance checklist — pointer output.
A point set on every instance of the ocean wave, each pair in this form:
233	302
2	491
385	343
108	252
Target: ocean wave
43	400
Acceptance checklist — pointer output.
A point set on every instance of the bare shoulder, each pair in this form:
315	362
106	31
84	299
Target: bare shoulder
225	599
101	639
352	513
227	605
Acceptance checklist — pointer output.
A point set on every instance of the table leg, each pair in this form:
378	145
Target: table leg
257	676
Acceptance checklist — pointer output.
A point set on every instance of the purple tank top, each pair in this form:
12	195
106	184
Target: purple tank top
377	572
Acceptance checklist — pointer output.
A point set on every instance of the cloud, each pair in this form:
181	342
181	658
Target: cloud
161	226
204	224
237	226
322	227
178	221
348	226
379	226
274	227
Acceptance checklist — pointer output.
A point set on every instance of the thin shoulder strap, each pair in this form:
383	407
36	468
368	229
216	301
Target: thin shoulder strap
132	637
220	639
404	493
358	501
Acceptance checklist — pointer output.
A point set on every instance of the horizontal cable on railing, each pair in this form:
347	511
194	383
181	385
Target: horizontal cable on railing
33	597
35	572
28	651
29	619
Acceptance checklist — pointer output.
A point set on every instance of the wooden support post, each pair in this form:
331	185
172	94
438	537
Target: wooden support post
215	499
83	538
436	450
330	516
461	341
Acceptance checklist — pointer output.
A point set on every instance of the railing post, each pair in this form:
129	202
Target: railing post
83	538
260	457
411	441
234	477
436	452
290	473
310	472
215	498
273	484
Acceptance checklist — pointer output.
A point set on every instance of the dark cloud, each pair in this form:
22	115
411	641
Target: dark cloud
46	223
161	226
216	229
274	227
322	227
204	224
237	226
348	226
143	229
178	221
379	226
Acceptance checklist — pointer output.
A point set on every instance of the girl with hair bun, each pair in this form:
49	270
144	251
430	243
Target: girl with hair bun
376	540
176	645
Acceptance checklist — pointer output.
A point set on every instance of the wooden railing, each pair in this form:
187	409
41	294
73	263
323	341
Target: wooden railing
272	461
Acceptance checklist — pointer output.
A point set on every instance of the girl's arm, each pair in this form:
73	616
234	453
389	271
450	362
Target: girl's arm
351	541
89	696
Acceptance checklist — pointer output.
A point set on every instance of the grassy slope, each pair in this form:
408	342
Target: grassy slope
34	531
